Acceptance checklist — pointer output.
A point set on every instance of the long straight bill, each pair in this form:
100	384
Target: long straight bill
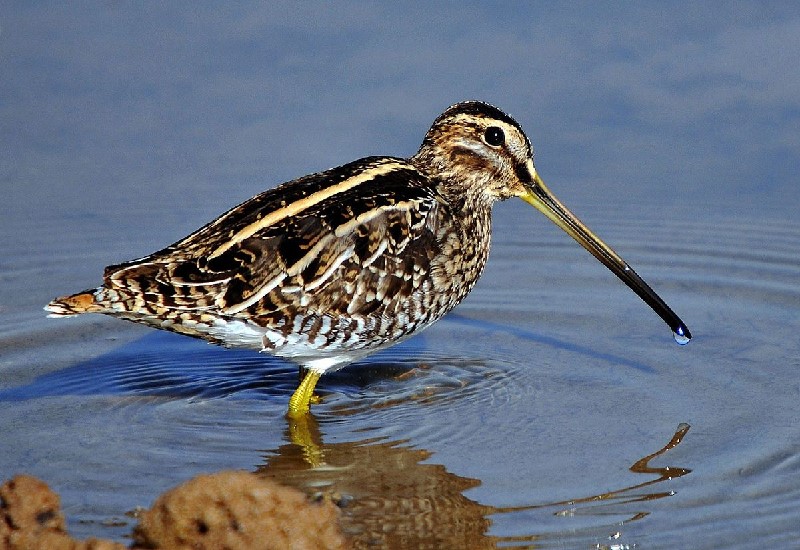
538	195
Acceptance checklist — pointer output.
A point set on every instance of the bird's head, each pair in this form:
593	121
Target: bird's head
476	150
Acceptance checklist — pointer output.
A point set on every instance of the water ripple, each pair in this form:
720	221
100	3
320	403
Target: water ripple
547	373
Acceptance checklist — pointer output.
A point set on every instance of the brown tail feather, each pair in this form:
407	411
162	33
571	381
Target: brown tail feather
83	302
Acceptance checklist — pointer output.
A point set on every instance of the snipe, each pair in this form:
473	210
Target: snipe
330	267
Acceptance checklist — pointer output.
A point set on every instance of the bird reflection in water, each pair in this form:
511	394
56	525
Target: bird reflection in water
392	498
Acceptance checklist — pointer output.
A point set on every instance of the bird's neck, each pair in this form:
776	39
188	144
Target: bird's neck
462	188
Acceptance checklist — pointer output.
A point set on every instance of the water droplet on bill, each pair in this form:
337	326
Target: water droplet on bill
681	336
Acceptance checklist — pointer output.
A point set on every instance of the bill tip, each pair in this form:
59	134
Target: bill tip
682	335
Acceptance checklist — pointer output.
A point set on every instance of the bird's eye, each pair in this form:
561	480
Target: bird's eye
494	136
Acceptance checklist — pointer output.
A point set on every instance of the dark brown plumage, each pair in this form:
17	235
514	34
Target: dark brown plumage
332	266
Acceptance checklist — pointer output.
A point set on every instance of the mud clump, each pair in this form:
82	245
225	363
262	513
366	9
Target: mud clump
238	510
229	509
31	518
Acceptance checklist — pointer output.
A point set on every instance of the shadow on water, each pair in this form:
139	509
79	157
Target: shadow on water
163	364
174	366
391	498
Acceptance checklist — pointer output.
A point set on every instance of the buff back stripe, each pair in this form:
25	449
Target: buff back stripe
294	208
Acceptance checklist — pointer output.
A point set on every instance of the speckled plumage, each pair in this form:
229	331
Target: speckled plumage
332	266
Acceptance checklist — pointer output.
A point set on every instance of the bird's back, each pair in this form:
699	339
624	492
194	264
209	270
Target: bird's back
350	258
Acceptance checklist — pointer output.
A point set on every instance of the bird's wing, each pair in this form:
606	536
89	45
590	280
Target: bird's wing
333	243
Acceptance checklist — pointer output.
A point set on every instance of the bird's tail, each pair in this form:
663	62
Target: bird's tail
82	302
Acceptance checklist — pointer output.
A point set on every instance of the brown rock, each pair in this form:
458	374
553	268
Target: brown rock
238	510
31	518
27	504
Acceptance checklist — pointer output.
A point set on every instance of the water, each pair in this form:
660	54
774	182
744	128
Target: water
551	409
680	336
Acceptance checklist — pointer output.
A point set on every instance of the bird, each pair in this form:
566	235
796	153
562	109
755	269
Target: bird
330	267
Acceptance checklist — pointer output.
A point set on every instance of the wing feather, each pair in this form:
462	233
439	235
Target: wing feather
357	252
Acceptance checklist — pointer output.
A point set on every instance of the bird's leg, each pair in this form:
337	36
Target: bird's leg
301	375
303	396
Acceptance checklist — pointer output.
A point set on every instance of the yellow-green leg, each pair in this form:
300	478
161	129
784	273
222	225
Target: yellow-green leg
300	403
